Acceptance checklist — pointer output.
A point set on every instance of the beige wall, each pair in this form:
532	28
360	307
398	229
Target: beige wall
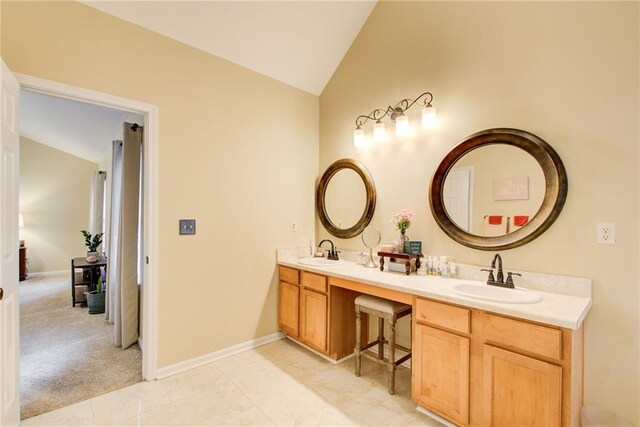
237	151
55	188
567	72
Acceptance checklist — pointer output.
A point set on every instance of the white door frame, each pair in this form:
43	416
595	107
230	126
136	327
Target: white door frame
149	303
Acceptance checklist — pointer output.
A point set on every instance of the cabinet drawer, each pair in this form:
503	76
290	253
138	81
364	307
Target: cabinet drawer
314	281
525	336
289	275
443	315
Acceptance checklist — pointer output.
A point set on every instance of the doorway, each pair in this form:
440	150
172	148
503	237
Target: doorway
10	369
73	347
458	197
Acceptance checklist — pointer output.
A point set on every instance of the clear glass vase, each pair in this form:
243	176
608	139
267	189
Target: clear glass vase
400	243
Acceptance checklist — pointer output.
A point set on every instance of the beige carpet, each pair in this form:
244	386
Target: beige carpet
66	354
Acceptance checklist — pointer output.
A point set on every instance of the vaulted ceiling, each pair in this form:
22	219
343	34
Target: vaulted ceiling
77	128
300	43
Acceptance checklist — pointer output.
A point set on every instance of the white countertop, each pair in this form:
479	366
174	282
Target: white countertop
566	311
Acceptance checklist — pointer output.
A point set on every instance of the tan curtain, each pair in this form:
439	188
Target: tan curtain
122	295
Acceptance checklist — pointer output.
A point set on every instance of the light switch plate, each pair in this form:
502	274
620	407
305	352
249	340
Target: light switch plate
187	226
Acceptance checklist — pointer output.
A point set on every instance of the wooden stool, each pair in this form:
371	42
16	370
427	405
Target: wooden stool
383	309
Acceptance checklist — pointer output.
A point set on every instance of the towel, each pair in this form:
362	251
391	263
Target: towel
494	219
517	222
520	220
494	226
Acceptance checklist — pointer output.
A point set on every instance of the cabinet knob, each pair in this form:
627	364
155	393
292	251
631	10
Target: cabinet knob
1	293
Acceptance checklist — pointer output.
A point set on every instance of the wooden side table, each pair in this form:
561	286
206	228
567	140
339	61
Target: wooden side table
398	255
23	263
87	278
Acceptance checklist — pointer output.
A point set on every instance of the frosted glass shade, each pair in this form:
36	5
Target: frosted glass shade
378	131
402	125
428	116
358	138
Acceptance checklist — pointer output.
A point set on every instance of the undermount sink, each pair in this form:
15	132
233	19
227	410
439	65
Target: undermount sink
320	262
497	294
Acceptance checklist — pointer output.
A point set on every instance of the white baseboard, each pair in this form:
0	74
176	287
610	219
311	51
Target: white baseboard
220	354
47	273
438	418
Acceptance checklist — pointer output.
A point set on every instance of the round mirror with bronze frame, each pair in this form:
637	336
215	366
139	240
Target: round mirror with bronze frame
556	187
370	201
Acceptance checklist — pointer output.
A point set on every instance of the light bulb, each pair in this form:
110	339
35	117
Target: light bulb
402	125
428	116
378	131
358	137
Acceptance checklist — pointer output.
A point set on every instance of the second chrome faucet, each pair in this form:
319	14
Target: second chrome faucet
498	280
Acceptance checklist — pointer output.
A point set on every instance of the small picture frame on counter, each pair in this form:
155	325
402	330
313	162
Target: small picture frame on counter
413	247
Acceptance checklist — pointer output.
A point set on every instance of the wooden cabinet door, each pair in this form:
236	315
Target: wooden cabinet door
313	319
441	373
519	390
288	308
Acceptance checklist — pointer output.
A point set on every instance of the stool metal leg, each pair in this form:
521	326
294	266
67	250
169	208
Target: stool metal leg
380	337
356	350
392	355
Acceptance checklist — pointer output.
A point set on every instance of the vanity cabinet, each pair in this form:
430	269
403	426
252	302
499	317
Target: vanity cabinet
313	319
520	390
313	310
441	359
470	366
441	367
478	368
303	307
289	301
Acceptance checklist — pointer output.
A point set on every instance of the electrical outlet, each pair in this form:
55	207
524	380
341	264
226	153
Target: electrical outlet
606	233
294	227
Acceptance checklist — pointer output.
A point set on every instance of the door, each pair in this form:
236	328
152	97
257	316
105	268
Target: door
9	307
519	390
458	196
288	300
313	319
441	366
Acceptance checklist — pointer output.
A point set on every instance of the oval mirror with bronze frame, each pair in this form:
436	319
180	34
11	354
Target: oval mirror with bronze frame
556	187
370	198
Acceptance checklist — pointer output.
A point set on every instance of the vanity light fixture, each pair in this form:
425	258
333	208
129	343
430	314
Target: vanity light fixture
396	114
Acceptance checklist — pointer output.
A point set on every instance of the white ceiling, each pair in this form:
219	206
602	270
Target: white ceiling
300	43
78	128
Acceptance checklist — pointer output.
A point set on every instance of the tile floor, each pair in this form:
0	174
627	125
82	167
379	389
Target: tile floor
279	384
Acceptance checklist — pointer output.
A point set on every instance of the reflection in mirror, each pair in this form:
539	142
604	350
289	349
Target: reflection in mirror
345	198
371	238
494	190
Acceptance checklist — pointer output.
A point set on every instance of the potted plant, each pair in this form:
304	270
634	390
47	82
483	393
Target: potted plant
402	221
92	242
95	299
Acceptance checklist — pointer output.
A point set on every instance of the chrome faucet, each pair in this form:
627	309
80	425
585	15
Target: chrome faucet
499	279
332	253
500	275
